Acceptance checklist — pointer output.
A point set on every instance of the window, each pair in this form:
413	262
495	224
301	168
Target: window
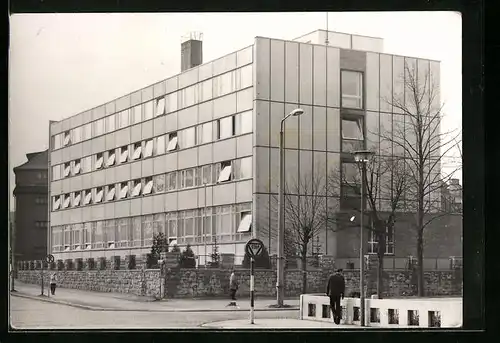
77	199
243	168
41	201
123	119
99	192
97	234
87	131
188	96
225	127
136	231
352	129
137	151
67	138
171	181
223	225
206	174
123	154
189	226
56	172
148	110
67	238
350	179
110	193
171	222
244	122
244	77
77	167
225	173
205	90
123	190
110	233
56	238
67	200
110	123
389	242
137	114
188	138
172	141
147	225
98	127
87	164
160	145
56	141
87	235
87	197
148	148
77	134
148	186
56	202
160	107
159	223
67	169
171	102
159	183
111	158
99	158
245	222
77	236
204	133
352	89
122	232
224	84
187	178
136	186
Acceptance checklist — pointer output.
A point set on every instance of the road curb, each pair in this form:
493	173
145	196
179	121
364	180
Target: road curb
93	308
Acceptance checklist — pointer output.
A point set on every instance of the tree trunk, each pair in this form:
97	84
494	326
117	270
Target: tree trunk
304	269
420	267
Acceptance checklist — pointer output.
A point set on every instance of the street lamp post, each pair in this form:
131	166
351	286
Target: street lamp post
362	157
203	221
280	291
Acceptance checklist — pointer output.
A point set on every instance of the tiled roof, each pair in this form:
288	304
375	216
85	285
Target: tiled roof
36	161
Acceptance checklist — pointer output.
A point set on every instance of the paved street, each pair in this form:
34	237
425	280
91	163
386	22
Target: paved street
35	314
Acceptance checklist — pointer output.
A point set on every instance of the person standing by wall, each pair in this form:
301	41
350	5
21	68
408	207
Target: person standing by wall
233	287
53	283
335	289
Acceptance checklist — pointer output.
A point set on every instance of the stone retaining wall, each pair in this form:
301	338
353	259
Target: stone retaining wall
189	283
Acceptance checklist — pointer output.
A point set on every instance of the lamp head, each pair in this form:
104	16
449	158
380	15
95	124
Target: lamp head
352	218
362	155
297	112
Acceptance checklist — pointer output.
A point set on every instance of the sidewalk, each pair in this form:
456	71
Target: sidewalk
276	324
98	301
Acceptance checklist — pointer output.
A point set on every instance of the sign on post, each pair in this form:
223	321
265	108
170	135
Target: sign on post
253	248
49	258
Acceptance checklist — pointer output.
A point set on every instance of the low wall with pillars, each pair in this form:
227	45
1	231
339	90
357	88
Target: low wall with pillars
387	313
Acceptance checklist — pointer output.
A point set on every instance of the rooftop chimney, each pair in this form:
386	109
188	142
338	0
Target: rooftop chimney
191	51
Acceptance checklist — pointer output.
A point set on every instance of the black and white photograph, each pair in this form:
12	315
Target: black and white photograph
237	170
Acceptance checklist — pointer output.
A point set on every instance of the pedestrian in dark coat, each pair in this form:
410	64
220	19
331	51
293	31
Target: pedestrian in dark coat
233	287
335	289
53	283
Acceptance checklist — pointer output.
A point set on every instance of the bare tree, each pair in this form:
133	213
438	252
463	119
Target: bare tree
385	184
416	135
304	209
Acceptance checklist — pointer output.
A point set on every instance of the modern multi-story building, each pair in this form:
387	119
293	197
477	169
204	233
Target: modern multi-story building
31	194
204	144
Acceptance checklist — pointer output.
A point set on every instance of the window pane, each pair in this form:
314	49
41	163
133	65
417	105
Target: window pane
88	197
148	149
77	198
172	102
160	106
148	185
225	174
124	118
188	178
137	114
111	158
244	123
99	194
350	173
77	167
226	127
352	89
136	232
352	129
159	183
56	172
160	145
123	154
187	138
147	223
206	90
67	138
245	77
56	141
77	134
137	151
172	143
171	181
245	168
123	190
137	187
110	123
98	127
148	110
245	223
110	195
207	132
159	223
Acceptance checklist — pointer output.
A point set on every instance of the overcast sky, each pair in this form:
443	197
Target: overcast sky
63	64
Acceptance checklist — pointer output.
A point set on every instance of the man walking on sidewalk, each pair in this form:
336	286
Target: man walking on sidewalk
335	290
53	284
233	287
